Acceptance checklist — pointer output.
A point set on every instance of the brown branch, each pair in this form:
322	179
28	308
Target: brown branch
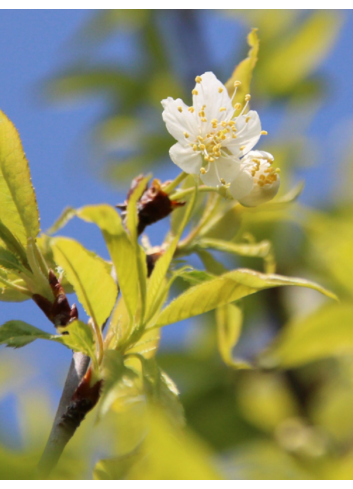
63	429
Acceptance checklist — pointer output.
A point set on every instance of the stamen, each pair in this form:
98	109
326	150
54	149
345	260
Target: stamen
180	109
247	97
202	171
198	79
220	90
191	109
237	106
242	148
247	119
222	109
264	133
200	138
186	134
195	92
194	147
223	182
237	83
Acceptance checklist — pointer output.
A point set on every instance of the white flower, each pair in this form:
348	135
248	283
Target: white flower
257	181
211	140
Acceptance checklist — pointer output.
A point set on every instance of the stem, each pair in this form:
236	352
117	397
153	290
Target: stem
60	435
181	194
175	182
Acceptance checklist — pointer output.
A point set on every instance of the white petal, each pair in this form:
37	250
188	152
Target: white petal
248	133
179	122
185	158
260	195
211	178
242	185
209	94
228	168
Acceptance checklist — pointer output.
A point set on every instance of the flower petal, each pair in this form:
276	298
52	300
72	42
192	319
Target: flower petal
179	120
214	95
248	133
211	178
228	168
242	185
185	158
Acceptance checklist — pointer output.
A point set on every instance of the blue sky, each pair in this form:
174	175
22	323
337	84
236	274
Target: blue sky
34	45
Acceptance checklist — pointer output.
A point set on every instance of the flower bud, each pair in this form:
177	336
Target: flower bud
266	179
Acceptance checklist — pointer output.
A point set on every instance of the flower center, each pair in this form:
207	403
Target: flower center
262	171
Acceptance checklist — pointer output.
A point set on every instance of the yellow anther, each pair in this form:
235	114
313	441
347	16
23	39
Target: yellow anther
194	147
186	134
198	79
202	171
242	148
277	170
262	177
180	109
191	109
200	138
234	136
247	119
232	123
202	147
214	121
256	160
224	124
247	97
260	183
220	90
237	83
222	109
203	119
195	92
237	106
264	133
223	137
207	157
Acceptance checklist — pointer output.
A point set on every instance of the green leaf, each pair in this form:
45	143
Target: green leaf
243	72
19	333
121	250
162	391
225	289
325	333
160	270
172	454
18	203
12	243
79	338
9	261
229	319
210	263
67	214
298	55
195	277
95	288
131	211
118	382
225	225
260	250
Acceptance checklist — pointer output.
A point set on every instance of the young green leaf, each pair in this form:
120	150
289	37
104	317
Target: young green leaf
121	250
243	249
243	72
225	289
9	261
95	288
79	338
326	332
12	244
18	203
19	333
162	265
229	320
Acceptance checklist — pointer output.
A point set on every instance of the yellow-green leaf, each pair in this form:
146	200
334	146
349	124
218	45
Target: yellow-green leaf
121	250
324	333
79	338
225	289
229	319
243	72
95	288
18	203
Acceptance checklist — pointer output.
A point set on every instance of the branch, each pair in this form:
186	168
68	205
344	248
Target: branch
63	426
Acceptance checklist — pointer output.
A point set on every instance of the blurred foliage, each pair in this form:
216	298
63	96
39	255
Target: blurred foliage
290	415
